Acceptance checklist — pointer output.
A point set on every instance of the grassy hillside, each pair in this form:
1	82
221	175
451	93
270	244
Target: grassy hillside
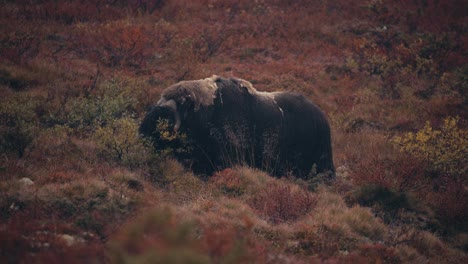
78	185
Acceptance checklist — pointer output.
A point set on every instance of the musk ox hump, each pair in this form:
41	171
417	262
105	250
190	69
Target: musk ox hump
267	97
200	92
249	87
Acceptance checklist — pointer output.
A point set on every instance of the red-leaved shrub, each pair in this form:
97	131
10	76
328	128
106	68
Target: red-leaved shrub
282	202
399	172
450	203
229	182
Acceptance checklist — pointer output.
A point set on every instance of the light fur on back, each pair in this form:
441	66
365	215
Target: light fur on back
201	92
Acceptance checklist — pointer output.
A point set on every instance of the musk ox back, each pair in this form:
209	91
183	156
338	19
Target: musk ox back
228	122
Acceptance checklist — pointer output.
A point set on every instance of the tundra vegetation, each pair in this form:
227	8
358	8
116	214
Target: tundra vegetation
78	184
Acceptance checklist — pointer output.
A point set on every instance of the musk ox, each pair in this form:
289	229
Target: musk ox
227	122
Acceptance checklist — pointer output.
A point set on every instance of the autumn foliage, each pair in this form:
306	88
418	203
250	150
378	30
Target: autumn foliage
79	185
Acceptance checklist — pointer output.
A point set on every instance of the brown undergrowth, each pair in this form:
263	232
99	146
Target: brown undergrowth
78	184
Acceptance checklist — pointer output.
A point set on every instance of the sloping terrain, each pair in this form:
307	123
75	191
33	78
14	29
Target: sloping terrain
78	184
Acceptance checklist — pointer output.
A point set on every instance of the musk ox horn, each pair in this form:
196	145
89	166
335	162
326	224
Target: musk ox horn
171	104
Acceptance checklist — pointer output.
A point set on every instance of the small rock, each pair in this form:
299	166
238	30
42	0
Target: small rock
26	181
87	235
14	207
69	240
343	252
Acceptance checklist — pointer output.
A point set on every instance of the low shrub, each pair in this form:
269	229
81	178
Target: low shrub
169	142
450	204
228	244
230	182
372	253
445	152
280	202
170	175
119	43
446	149
363	222
157	237
401	173
119	140
16	78
40	242
22	45
111	100
323	241
382	198
337	227
19	123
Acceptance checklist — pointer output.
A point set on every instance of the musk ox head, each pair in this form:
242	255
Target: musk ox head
185	97
176	102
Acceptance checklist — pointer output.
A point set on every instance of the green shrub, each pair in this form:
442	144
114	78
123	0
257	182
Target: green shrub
446	149
169	142
111	100
455	84
18	123
382	197
119	140
394	206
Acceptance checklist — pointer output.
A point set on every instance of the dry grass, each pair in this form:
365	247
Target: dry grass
78	185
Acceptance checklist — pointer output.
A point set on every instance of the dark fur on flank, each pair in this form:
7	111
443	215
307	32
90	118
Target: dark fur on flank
230	123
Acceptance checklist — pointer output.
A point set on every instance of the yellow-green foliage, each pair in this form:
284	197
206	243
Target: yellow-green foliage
176	142
18	123
446	149
120	140
166	131
112	100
